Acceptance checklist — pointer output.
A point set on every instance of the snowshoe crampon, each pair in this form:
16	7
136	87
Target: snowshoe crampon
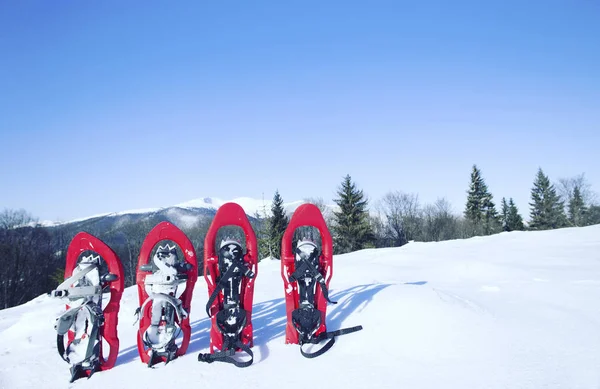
165	308
230	275
306	275
93	273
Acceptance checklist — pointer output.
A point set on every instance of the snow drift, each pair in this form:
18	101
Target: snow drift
514	310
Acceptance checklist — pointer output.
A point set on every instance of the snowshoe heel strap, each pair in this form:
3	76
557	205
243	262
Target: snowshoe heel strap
326	335
321	351
227	356
219	355
230	321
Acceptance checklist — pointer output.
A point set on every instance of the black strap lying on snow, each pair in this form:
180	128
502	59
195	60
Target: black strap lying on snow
326	335
223	281
306	264
227	356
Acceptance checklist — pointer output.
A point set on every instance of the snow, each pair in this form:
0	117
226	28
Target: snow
47	223
251	207
183	219
514	310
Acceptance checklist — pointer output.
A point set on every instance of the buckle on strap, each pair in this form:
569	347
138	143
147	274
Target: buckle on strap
65	289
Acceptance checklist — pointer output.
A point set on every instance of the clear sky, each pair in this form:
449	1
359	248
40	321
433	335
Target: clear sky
113	105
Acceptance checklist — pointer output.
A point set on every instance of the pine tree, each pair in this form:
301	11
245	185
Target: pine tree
592	216
475	197
260	225
351	228
491	220
505	211
277	224
547	211
480	209
577	208
514	220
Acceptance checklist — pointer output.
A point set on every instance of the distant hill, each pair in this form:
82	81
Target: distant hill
125	231
187	214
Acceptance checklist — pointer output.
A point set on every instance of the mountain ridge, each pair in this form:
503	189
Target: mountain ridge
250	205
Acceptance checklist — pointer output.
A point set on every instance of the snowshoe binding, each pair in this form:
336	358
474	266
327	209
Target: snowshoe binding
306	275
164	309
230	275
85	323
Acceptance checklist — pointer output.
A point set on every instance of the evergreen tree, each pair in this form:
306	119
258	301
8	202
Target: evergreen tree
480	209
547	211
352	229
277	224
577	208
491	220
473	210
504	215
592	216
260	225
514	220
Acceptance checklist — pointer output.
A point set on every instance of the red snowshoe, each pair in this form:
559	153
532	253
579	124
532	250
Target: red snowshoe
230	275
94	283
164	310
306	275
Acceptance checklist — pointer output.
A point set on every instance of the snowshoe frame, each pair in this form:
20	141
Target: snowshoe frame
107	329
165	231
305	215
230	214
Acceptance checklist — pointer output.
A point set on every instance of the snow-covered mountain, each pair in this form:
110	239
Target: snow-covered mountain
513	310
251	207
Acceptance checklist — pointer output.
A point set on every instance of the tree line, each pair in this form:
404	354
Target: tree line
399	217
32	257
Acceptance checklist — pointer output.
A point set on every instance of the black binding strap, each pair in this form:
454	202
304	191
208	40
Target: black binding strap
227	356
323	336
306	264
225	279
307	318
231	319
60	345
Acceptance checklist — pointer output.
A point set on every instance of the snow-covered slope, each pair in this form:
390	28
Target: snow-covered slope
515	310
251	207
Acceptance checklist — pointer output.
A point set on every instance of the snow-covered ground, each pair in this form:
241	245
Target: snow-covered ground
515	310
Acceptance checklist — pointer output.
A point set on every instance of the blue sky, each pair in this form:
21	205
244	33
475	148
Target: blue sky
112	105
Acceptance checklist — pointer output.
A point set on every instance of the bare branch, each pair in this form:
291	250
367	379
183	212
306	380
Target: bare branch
566	186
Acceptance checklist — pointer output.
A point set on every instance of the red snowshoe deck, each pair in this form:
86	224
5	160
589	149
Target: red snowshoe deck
305	215
165	231
81	243
230	214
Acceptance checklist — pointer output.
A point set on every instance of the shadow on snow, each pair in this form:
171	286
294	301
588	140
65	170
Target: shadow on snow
269	319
